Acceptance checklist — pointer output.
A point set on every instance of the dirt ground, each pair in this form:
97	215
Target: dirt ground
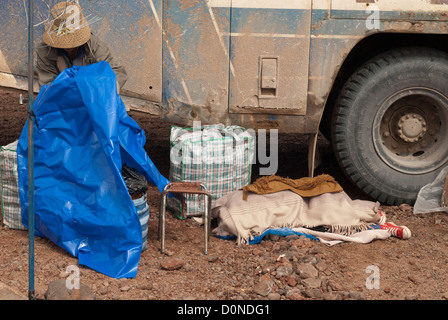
413	269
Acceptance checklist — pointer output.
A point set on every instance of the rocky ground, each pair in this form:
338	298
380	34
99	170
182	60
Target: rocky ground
279	268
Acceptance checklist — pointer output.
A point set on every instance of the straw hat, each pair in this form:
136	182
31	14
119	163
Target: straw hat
68	28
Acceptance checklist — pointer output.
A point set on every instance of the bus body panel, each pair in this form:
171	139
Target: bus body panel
256	63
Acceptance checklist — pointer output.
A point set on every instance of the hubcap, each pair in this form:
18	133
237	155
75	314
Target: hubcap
410	131
411	127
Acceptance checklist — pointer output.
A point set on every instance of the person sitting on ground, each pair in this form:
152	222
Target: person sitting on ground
66	45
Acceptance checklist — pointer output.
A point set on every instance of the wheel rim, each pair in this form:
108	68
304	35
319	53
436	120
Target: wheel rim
410	131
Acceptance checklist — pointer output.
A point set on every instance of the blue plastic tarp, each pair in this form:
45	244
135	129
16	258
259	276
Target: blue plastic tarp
282	232
82	137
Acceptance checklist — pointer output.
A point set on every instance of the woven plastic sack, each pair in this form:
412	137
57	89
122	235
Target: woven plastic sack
218	156
9	187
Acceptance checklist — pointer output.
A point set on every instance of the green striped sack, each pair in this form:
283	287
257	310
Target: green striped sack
9	187
218	156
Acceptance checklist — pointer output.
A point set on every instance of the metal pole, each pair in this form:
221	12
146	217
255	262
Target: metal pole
31	294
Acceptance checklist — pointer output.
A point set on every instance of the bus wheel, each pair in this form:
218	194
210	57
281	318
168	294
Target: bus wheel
390	125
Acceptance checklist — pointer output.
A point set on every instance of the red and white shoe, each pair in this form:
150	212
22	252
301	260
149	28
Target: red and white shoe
382	218
401	232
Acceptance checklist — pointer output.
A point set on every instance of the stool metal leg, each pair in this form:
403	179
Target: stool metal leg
207	217
162	215
206	222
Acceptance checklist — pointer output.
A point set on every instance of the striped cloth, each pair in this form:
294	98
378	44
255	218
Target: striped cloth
220	157
9	187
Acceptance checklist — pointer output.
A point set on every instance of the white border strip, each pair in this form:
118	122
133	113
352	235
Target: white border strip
294	36
390	5
383	5
267	35
262	4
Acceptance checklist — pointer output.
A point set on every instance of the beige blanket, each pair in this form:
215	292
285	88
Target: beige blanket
248	218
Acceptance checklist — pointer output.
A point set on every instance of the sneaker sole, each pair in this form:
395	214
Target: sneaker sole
406	232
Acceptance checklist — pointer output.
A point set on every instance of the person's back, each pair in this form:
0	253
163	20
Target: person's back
67	42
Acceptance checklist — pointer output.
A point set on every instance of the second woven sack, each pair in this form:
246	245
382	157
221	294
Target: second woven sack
219	156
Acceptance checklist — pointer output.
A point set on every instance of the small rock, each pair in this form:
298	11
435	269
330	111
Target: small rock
315	250
262	289
125	288
172	264
284	270
274	296
312	283
189	268
411	297
264	286
445	296
146	286
313	293
356	295
291	281
321	266
213	258
103	290
335	286
294	294
307	270
387	290
331	296
314	260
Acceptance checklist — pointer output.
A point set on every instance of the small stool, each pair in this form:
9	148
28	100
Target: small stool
182	188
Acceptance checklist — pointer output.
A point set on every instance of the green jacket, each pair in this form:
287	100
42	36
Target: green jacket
49	63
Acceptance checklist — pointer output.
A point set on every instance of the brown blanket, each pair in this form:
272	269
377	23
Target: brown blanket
305	187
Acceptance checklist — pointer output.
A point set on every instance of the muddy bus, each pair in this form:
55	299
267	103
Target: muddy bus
369	75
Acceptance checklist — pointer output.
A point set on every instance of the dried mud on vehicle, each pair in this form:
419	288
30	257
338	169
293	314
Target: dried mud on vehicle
279	268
